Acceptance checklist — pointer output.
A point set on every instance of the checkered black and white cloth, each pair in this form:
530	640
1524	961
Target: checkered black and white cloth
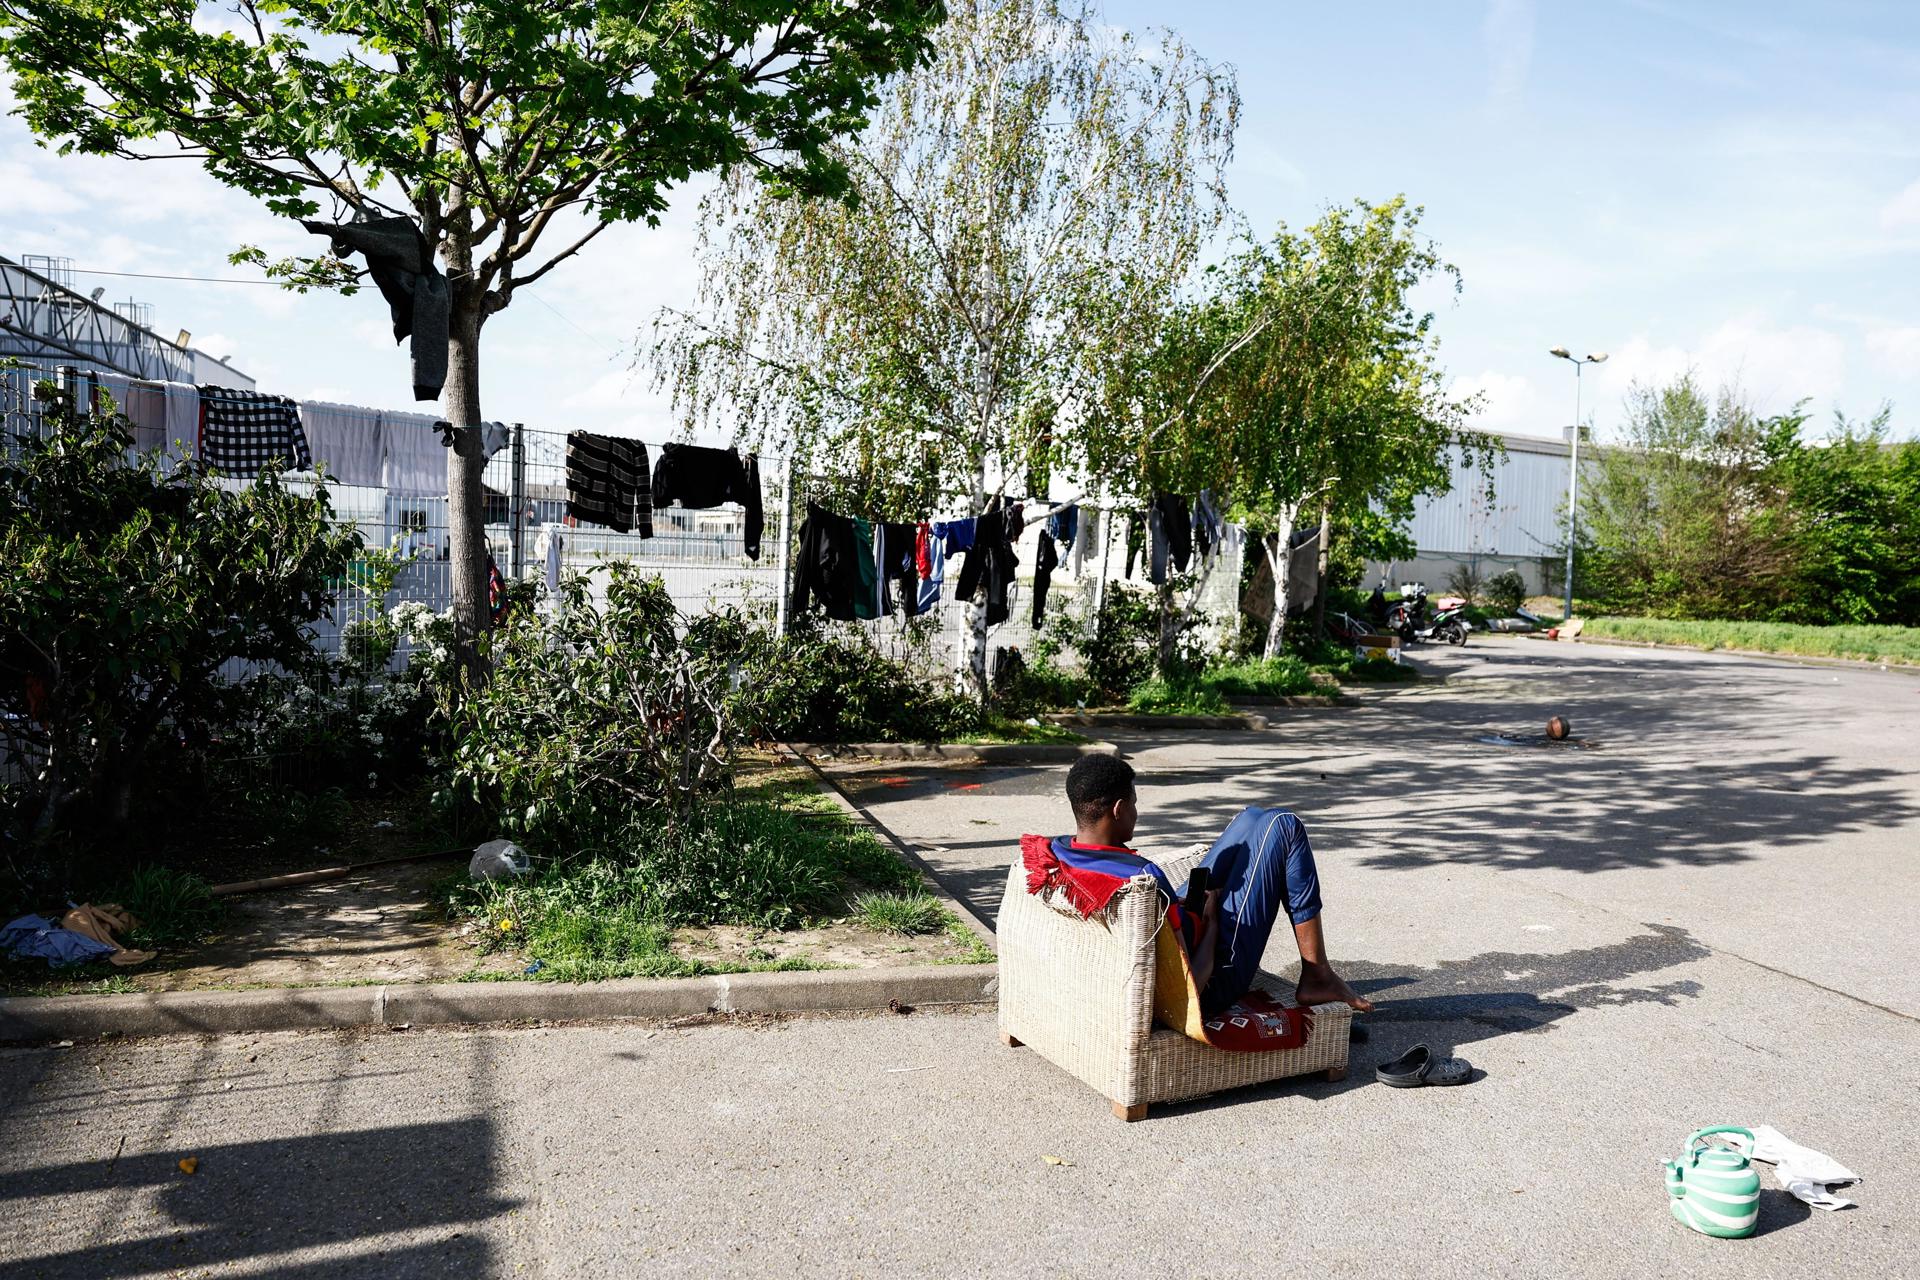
242	433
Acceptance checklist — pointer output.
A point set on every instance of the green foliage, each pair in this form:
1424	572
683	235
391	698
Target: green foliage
1865	643
1506	590
127	589
749	863
1176	694
909	913
596	726
831	685
1703	510
174	908
1122	648
1209	690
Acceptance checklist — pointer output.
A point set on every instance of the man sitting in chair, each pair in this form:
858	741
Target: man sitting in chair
1260	867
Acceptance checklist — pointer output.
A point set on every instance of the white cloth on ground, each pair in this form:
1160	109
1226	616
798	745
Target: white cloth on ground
1805	1173
344	438
415	460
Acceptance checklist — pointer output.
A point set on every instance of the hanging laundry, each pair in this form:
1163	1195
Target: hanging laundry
1208	527
182	419
401	263
412	463
898	565
1136	537
990	565
827	568
243	433
1016	520
1170	537
698	477
1044	564
552	546
866	596
956	534
345	439
933	566
1063	523
608	482
923	550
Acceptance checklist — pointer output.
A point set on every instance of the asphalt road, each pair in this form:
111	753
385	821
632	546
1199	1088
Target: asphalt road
1703	919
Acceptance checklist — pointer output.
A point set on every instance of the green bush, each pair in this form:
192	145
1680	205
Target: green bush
1180	695
830	686
127	587
594	727
1506	590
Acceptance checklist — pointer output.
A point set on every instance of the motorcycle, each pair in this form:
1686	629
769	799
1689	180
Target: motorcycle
1408	619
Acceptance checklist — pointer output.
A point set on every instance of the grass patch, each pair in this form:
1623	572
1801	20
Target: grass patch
1003	730
758	861
905	913
174	908
1208	691
1864	643
973	947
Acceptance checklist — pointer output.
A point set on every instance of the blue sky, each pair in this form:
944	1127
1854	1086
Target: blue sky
1729	187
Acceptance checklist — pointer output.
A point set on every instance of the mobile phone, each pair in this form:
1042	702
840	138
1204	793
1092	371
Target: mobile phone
1197	890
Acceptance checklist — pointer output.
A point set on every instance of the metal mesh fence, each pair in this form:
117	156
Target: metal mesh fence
699	555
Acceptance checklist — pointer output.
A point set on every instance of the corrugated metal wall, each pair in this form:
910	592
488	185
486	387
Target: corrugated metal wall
1523	518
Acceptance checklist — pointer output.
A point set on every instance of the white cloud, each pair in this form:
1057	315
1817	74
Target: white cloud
1511	404
1508	35
1773	367
1896	349
1903	210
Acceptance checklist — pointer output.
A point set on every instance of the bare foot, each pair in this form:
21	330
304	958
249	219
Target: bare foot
1322	985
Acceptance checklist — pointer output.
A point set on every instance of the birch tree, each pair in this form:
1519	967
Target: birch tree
1028	203
511	134
1321	388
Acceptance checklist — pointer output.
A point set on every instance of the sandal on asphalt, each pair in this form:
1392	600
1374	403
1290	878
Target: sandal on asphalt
1417	1067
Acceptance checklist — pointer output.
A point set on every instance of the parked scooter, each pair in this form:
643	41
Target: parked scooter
1408	619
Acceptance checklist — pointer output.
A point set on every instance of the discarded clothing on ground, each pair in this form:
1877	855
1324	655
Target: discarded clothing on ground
828	568
1806	1174
243	433
100	924
401	263
37	938
609	482
698	477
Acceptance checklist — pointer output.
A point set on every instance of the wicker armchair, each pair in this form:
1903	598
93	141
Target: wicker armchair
1079	992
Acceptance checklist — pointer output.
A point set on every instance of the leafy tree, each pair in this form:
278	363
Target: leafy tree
1028	202
1306	381
1853	520
128	587
511	133
1679	517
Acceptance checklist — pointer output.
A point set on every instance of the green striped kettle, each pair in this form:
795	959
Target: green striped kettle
1713	1190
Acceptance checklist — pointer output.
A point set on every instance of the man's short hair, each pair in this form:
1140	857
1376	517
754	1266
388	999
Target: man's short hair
1095	783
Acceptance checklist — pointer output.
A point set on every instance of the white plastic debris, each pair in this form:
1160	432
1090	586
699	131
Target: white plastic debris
498	860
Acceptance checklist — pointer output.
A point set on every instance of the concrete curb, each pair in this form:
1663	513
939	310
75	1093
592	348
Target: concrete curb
31	1018
985	752
1126	720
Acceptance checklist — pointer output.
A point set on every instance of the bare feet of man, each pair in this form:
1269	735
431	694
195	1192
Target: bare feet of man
1319	984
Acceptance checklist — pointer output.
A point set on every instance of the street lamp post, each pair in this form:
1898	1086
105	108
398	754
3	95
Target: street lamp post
1573	462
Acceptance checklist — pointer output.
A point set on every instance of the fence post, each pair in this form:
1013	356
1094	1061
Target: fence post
517	501
780	619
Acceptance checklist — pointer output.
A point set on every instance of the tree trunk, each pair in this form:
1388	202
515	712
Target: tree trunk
1323	569
466	505
1280	555
1169	628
